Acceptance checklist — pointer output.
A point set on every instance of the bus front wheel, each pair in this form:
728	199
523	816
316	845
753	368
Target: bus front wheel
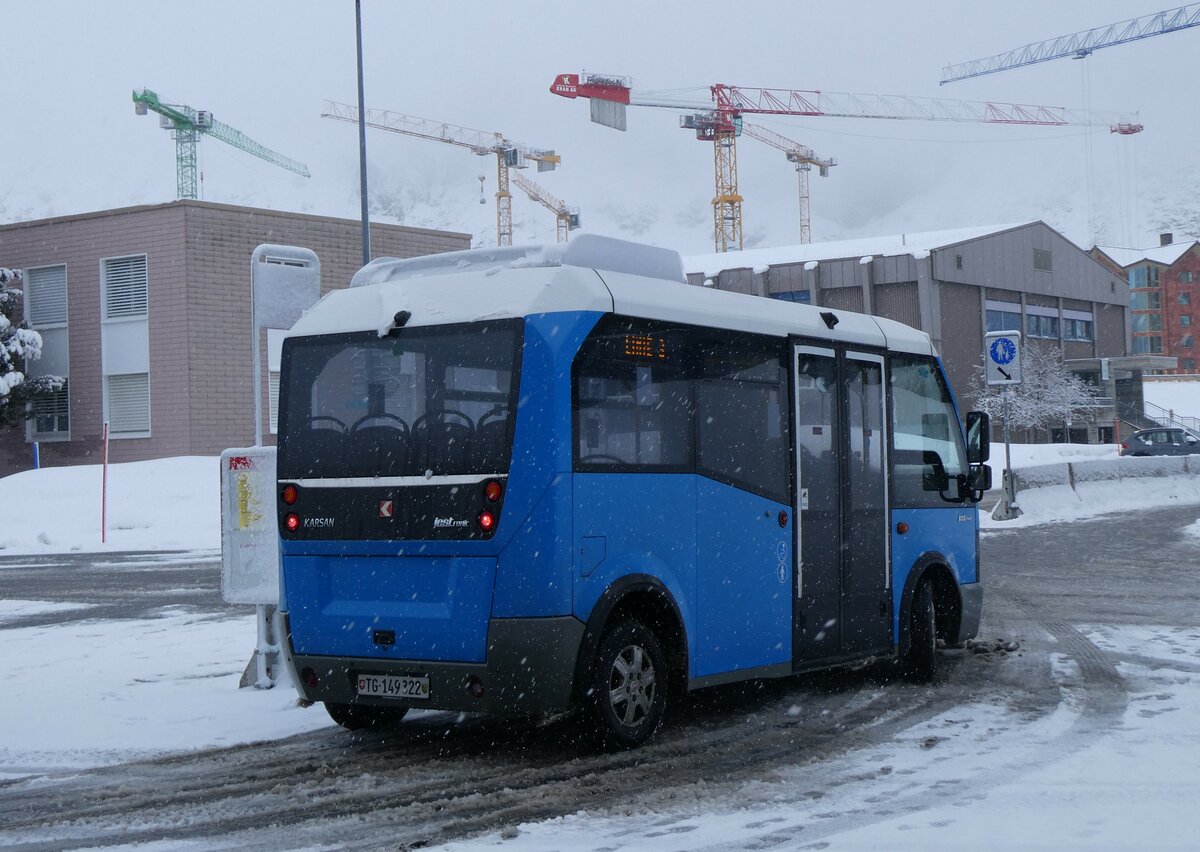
629	685
354	717
920	661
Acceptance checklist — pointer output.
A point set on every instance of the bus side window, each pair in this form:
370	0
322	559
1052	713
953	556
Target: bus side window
927	442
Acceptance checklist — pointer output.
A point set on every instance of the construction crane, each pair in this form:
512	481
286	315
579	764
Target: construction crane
187	125
1078	45
567	218
610	95
804	159
509	154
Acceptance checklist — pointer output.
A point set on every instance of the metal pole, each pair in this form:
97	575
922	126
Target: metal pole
104	489
362	140
1010	493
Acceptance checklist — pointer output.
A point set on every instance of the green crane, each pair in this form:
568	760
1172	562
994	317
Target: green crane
186	125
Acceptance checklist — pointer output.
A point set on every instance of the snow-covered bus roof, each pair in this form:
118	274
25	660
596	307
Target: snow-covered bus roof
591	273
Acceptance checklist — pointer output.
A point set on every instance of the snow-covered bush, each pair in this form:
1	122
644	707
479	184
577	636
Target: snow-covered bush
18	344
1048	395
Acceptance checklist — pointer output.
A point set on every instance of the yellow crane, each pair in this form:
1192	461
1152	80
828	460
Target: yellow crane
509	154
568	218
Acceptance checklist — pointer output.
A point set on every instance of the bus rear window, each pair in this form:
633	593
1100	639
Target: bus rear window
438	399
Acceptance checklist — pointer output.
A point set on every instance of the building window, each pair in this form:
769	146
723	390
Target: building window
1185	277
1186	342
1148	301
1041	326
999	320
127	399
958	261
125	287
1188	364
1149	345
1141	277
802	296
46	312
1042	260
1145	322
1185	319
1185	298
1077	329
51	414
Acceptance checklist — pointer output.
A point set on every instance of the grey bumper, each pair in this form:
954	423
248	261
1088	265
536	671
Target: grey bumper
972	611
530	668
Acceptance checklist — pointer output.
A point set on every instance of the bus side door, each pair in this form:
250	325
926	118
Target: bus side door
841	603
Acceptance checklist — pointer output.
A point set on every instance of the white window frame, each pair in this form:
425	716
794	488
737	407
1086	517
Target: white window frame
31	432
116	334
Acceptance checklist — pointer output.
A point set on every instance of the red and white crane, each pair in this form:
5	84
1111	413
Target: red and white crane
720	119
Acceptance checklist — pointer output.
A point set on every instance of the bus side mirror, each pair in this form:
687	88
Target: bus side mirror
979	437
978	480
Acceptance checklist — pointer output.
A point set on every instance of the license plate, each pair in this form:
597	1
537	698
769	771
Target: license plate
404	687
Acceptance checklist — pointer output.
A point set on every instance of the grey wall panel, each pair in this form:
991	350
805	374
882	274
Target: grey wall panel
899	302
1110	331
961	339
736	281
842	298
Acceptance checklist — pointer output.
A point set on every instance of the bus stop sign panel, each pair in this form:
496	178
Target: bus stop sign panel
1002	357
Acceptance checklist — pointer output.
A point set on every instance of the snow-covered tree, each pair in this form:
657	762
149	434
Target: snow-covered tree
18	344
1049	393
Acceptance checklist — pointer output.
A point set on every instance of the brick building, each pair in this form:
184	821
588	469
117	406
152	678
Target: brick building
146	311
1164	297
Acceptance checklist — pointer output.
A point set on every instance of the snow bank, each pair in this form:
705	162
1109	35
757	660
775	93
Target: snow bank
164	504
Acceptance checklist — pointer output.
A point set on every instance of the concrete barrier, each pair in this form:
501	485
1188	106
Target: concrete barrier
1074	474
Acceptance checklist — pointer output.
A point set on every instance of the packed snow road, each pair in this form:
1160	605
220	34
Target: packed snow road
791	764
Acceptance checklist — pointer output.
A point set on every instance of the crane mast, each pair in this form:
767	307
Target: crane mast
1078	45
804	159
567	218
722	121
187	125
508	154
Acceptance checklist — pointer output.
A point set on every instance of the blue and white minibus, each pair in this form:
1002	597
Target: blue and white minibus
530	479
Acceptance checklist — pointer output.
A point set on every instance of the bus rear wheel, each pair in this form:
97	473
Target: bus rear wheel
629	685
354	717
920	661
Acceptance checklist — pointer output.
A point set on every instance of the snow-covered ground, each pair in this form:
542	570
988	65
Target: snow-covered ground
169	683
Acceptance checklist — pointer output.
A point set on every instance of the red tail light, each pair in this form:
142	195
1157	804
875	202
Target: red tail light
486	521
492	490
292	522
290	493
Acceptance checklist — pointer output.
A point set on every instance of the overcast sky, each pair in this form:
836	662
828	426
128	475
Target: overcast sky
72	142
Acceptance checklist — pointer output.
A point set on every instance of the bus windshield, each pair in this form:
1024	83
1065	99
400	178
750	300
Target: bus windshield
430	400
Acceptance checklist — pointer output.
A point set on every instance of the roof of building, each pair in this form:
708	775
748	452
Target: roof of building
919	245
1166	255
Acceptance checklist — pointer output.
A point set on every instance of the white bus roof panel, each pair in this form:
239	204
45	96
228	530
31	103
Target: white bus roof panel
517	282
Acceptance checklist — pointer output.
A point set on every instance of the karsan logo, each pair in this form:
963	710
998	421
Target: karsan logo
443	523
311	523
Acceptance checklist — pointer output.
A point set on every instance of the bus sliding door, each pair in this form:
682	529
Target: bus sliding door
841	572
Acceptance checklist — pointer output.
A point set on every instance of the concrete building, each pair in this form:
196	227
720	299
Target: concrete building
956	286
146	311
1164	297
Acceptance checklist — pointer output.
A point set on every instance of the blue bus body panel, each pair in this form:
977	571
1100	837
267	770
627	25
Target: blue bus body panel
535	566
743	581
949	532
437	605
646	524
438	597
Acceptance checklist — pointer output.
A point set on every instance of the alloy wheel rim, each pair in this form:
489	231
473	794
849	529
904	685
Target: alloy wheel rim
632	684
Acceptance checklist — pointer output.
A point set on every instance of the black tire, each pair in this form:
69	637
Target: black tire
354	717
629	686
919	663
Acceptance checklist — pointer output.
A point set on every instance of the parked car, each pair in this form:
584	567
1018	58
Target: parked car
1161	442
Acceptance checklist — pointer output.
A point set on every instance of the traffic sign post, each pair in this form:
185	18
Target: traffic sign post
1002	355
1002	366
